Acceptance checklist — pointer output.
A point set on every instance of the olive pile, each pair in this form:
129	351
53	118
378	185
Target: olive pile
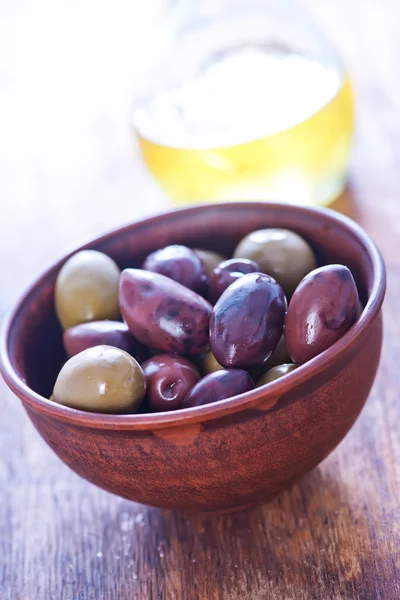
196	327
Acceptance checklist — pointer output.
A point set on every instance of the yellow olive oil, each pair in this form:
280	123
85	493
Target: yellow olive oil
256	123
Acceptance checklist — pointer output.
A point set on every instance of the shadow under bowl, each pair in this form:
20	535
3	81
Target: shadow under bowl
233	453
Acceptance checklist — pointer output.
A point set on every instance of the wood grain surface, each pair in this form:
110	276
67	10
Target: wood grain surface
68	172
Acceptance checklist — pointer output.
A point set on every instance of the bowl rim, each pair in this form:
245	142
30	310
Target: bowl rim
221	408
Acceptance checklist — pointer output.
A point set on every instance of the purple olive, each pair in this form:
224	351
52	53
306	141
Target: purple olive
219	386
247	321
181	264
169	380
99	333
323	307
227	272
164	314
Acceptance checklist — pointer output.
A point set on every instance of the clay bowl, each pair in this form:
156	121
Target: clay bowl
236	452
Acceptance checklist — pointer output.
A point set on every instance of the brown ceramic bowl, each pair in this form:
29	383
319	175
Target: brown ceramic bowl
222	456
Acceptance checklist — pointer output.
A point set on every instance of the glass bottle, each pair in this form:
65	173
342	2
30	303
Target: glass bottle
250	102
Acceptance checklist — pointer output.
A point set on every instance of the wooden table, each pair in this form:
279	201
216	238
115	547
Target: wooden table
67	173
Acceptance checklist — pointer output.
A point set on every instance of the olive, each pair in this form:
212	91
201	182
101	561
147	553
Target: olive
169	380
87	289
276	373
181	264
97	333
281	253
101	379
210	259
219	386
164	314
209	364
279	356
227	272
323	307
247	321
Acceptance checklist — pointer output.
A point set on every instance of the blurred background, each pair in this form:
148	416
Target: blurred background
79	156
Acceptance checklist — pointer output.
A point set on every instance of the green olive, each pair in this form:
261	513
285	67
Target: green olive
276	373
279	356
209	364
280	253
87	289
210	259
101	379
